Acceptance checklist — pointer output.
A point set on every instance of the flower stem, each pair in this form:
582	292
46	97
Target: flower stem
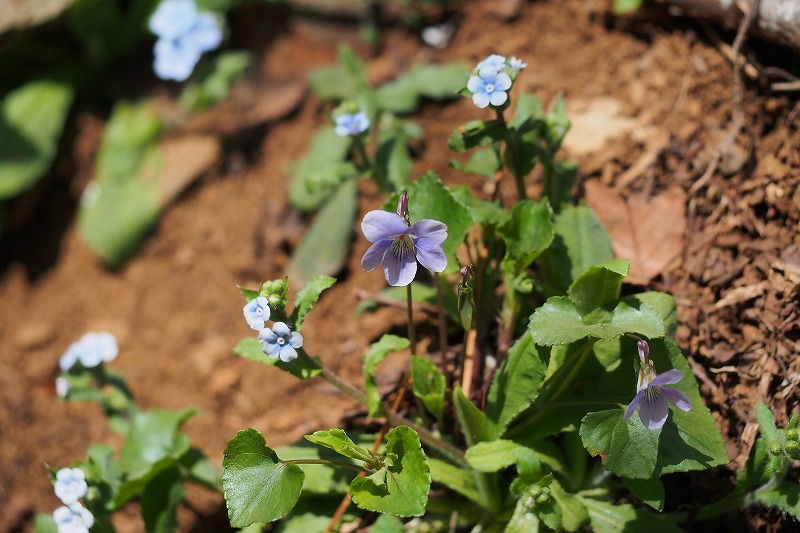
342	464
442	328
412	335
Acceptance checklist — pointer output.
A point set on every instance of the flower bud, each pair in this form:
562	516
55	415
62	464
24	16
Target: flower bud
793	435
793	449
402	206
775	449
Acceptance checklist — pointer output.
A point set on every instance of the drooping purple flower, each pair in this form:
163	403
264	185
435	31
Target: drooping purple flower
280	341
489	87
399	246
651	396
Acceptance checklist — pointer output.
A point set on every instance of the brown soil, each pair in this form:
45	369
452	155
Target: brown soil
176	313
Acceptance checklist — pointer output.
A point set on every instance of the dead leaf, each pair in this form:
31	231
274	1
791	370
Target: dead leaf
649	233
742	294
598	121
184	160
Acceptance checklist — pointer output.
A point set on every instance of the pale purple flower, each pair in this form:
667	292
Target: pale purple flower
651	396
91	350
73	519
280	341
351	124
489	87
516	63
256	313
70	485
494	61
398	246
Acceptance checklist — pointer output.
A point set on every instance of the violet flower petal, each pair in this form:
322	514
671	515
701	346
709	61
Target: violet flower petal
430	229
375	255
378	225
632	406
430	254
653	410
678	399
399	269
667	378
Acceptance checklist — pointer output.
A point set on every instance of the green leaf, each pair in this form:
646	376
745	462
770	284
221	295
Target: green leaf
408	478
650	491
160	500
599	285
330	83
562	181
259	487
527	234
477	133
429	198
688	440
473	420
311	181
387	524
428	384
573	511
302	367
44	523
31	121
493	455
307	297
153	436
557	321
199	470
105	473
516	385
323	250
249	294
580	242
621	7
483	163
212	81
439	82
785	497
455	478
482	211
624	518
772	439
664	305
393	160
377	353
400	95
323	480
338	441
523	520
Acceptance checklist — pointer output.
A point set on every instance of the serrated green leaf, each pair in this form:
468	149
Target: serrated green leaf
598	285
484	163
785	497
477	133
377	353
160	500
473	420
515	386
323	249
688	440
649	491
455	478
580	242
573	511
663	304
623	518
429	198
527	233
408	478
258	486
338	441
428	384
311	182
307	297
302	367
482	211
557	321
249	294
31	121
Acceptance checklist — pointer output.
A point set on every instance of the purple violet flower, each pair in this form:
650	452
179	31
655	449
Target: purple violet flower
399	246
651	396
489	87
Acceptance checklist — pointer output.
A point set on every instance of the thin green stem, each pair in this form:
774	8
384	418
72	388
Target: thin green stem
412	335
342	464
442	328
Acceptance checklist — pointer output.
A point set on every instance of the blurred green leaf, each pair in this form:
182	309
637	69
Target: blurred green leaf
624	518
323	250
44	523
377	353
477	133
303	368
621	7
455	478
153	436
428	384
317	174
483	163
104	471
408	478
31	121
259	487
199	470
482	211
160	500
307	297
786	497
213	83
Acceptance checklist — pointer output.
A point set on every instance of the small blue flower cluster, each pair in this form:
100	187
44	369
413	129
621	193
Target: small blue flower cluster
69	487
90	350
350	124
183	35
280	341
492	78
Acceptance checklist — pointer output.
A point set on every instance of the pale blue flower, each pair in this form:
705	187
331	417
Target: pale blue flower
256	313
91	350
206	32
516	63
351	124
175	59
651	396
280	341
73	519
489	87
398	246
70	485
173	18
62	387
494	61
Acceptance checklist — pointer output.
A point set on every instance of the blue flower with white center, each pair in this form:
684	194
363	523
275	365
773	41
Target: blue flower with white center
62	387
516	63
256	313
494	61
173	18
91	350
175	59
651	396
73	519
398	246
70	485
489	87
351	124
280	341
